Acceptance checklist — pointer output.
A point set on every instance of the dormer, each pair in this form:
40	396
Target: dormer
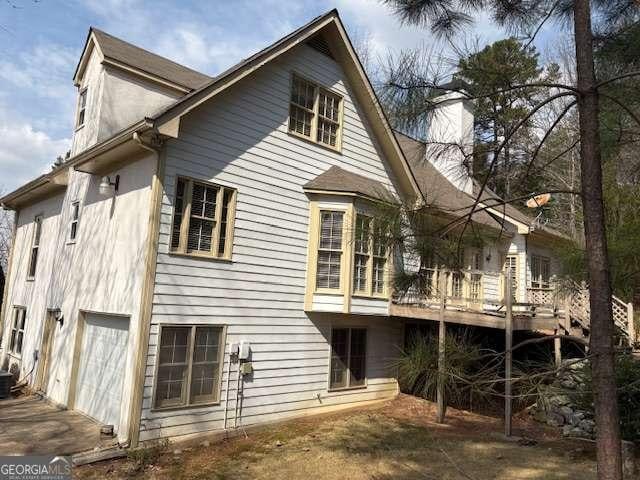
119	84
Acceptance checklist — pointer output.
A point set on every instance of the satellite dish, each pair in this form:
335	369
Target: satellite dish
538	200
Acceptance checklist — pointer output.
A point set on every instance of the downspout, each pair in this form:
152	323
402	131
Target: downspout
144	316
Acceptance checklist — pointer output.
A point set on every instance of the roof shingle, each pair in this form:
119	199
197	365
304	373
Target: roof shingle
139	58
337	179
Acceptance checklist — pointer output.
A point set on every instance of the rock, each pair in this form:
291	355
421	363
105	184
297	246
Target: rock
568	383
566	412
540	416
587	425
559	400
177	452
576	418
279	443
569	431
206	443
554	419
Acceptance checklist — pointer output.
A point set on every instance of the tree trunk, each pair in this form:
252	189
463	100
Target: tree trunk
602	327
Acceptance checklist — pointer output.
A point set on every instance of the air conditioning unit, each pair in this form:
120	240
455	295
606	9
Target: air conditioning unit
6	380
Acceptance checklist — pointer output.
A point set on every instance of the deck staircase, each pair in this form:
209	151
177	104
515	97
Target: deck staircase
576	318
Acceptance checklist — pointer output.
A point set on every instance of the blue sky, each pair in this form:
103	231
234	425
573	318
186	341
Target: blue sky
41	41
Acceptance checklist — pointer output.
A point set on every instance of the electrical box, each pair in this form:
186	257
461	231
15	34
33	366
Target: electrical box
234	349
246	368
245	351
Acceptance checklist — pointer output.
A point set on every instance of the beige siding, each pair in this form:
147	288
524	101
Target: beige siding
240	140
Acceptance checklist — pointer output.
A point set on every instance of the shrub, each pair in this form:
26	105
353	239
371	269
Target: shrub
628	381
418	367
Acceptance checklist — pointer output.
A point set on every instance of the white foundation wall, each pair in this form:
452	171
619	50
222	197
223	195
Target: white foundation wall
101	272
240	140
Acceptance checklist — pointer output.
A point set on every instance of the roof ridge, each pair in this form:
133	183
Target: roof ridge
102	32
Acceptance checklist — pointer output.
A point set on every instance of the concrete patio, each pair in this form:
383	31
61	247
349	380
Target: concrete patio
30	425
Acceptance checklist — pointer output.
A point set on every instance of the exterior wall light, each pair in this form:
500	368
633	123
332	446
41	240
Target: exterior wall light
107	187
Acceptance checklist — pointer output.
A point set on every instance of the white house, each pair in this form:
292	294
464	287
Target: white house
192	267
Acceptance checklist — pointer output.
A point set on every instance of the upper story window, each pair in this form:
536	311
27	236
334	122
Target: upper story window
82	107
17	330
35	246
203	218
369	257
73	222
540	272
330	250
315	113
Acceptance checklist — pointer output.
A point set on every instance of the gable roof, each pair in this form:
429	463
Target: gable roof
331	28
338	179
137	58
439	192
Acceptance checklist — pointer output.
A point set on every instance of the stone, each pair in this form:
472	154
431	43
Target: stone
559	400
177	452
569	431
554	419
279	443
576	418
566	412
568	383
206	443
587	425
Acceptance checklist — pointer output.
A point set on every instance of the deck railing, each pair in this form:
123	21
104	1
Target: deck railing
482	292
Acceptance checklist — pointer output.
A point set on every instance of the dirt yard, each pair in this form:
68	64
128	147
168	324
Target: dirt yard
394	440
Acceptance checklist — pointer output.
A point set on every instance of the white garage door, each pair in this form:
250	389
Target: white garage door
102	367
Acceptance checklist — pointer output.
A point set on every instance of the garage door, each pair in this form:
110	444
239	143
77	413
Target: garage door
102	367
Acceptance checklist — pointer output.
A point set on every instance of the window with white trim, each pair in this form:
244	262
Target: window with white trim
348	358
82	107
540	272
35	246
330	250
17	330
73	222
203	219
315	112
189	365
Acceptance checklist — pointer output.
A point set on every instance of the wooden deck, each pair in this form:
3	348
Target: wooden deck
474	318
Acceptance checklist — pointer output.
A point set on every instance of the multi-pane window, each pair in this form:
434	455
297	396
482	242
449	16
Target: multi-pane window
361	254
73	223
475	286
17	330
540	272
330	249
314	112
379	261
35	246
348	358
369	257
82	107
189	360
203	218
511	270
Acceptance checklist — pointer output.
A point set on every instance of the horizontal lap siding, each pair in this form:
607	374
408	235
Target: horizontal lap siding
240	140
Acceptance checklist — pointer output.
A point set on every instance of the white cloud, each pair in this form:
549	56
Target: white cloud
26	152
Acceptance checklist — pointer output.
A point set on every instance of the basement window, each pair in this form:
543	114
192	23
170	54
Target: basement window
348	358
203	219
315	113
189	365
17	330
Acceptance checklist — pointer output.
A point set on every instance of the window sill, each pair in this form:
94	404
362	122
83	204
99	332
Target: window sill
30	279
346	389
201	256
313	142
79	127
186	407
370	297
71	242
328	291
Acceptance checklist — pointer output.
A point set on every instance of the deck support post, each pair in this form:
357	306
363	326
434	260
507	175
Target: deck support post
508	332
557	347
442	332
631	328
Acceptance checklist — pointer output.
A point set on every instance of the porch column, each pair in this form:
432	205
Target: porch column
442	332
508	357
